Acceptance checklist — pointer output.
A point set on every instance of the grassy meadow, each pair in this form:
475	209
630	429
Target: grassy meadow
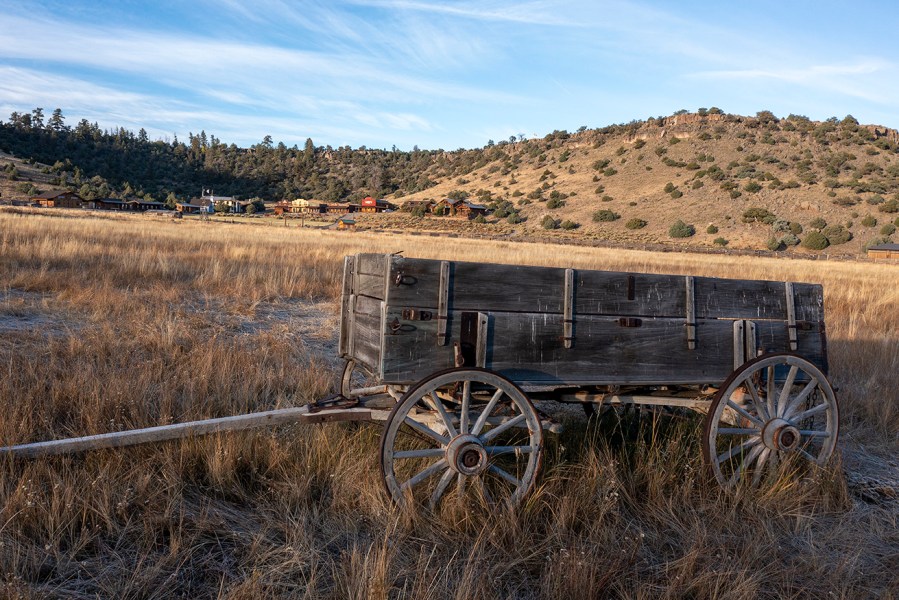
110	324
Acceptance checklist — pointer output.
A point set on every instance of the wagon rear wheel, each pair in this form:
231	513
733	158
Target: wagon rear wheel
466	433
775	408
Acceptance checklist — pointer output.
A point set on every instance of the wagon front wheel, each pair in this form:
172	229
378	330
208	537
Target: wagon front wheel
466	433
773	409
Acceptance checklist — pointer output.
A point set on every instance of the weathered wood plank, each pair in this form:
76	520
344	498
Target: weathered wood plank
370	264
527	347
367	328
370	285
755	300
349	265
515	288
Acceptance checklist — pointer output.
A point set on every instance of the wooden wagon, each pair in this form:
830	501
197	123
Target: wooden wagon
455	358
466	349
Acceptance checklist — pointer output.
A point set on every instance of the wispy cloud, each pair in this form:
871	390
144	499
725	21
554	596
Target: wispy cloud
863	78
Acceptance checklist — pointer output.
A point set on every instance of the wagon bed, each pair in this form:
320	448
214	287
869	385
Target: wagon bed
543	327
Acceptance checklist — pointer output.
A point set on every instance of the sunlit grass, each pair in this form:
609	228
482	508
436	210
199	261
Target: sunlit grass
112	324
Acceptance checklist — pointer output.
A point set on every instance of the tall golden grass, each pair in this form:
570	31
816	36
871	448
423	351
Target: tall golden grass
112	324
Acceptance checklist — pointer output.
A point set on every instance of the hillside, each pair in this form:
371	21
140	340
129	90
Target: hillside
749	178
741	182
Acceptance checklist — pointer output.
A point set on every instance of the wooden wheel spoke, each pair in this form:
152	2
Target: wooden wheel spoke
800	398
516	450
809	413
482	418
504	475
424	429
746	414
439	490
466	404
501	428
425	453
725	456
482	488
750	458
738	431
447	420
814	433
806	455
782	401
756	400
760	466
770	387
424	474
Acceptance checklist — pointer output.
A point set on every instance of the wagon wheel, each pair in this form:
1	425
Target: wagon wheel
466	432
774	408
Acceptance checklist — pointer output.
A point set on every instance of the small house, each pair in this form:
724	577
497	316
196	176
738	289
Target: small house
346	223
447	206
884	252
57	199
413	205
470	210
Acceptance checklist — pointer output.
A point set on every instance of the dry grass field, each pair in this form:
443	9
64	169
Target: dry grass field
110	324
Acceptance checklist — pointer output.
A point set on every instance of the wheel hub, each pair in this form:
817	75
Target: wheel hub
780	434
465	454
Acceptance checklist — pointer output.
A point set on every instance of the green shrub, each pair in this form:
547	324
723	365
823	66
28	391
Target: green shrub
869	221
837	234
752	187
669	187
757	214
676	194
817	223
734	194
549	223
795	228
639	143
605	216
635	223
555	203
681	230
720	241
607	198
599	165
697	184
888	229
874	200
609	172
517	193
815	240
514	218
711	229
890	206
775	245
480	219
790	240
568	225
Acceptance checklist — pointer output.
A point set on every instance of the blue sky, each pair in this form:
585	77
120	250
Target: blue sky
446	75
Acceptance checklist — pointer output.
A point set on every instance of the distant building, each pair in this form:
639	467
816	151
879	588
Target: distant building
58	199
884	252
345	223
470	209
370	205
125	205
411	205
